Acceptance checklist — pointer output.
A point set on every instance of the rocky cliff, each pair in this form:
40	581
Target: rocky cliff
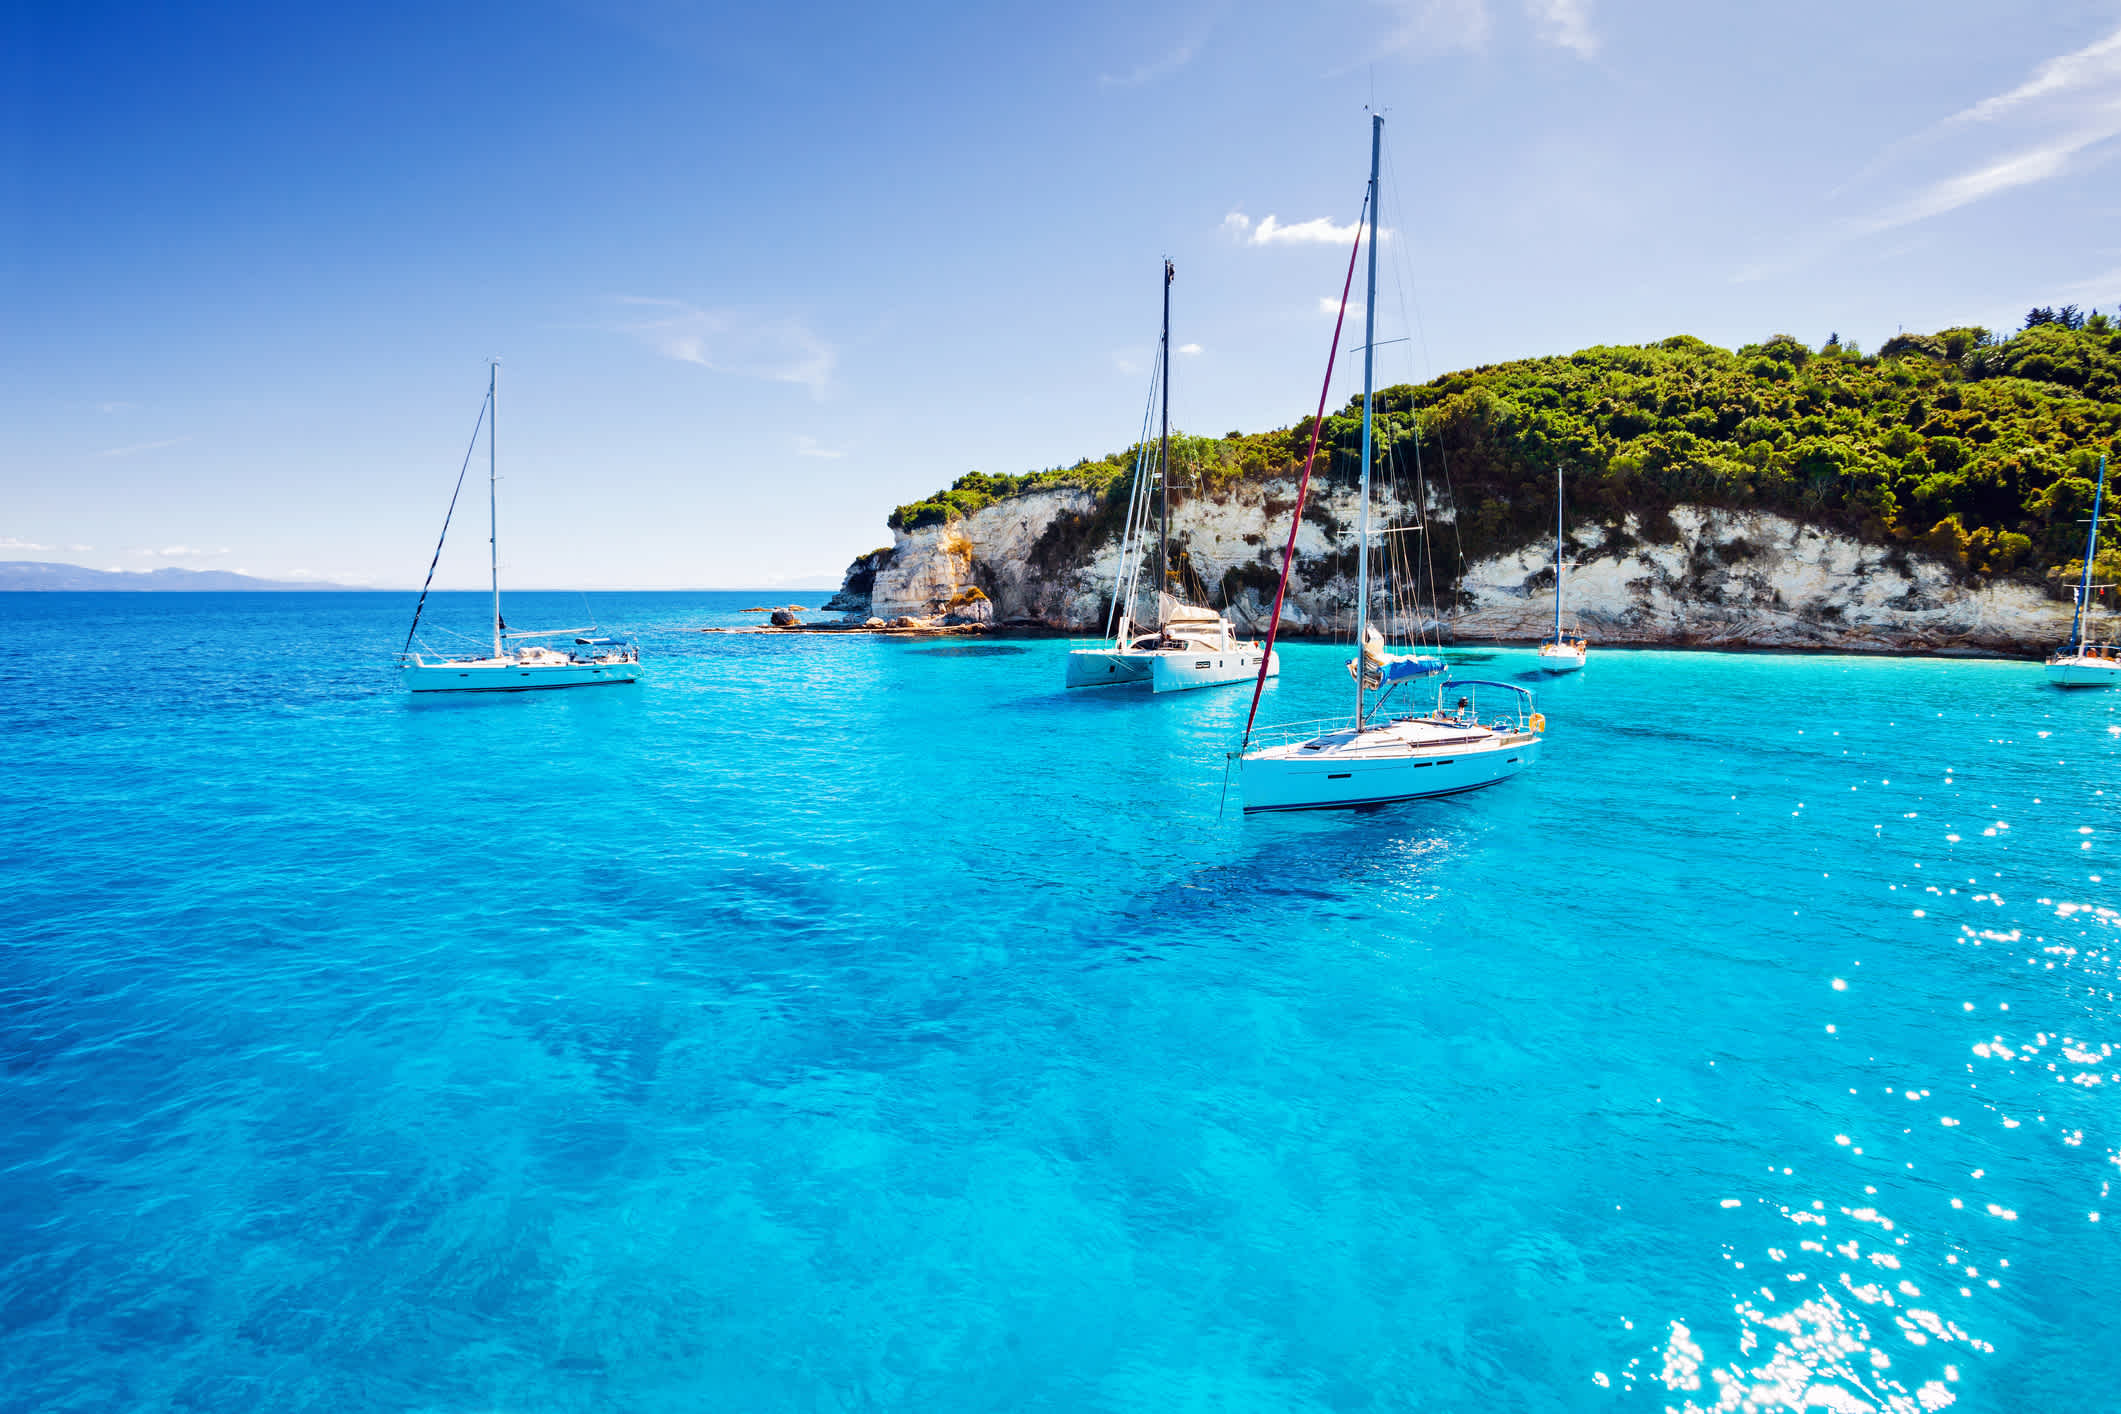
1704	576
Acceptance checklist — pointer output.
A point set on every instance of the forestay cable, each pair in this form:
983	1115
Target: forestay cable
417	608
1296	520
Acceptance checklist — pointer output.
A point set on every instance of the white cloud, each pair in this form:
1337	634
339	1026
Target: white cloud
183	552
1437	26
2050	123
2034	164
80	549
1565	24
108	408
9	542
138	447
1318	231
1329	306
2094	66
773	347
1170	64
1271	231
1189	348
806	446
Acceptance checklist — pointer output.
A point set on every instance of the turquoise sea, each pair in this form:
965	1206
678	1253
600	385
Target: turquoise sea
836	1024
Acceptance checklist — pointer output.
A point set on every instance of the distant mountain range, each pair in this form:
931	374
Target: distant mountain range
37	574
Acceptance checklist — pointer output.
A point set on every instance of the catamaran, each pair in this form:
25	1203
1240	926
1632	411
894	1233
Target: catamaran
517	661
1160	639
1382	754
2077	663
1561	653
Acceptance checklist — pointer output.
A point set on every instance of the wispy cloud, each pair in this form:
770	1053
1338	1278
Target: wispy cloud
2059	121
1329	306
9	542
1170	64
1437	26
778	348
110	408
1272	231
2044	127
2033	164
1189	348
806	446
183	552
138	447
2097	66
1565	24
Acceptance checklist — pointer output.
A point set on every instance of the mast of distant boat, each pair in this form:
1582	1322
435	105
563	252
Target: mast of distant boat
1557	553
2091	552
1163	460
493	513
1369	359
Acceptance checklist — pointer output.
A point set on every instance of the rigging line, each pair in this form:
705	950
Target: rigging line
484	406
1296	519
1404	257
1123	588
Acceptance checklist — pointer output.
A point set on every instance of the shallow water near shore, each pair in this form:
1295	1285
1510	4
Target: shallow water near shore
841	1023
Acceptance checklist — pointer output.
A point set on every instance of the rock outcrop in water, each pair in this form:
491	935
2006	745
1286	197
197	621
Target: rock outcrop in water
1708	576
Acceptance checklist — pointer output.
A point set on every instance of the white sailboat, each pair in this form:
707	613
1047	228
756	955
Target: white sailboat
517	661
1379	756
2077	663
1174	646
1561	653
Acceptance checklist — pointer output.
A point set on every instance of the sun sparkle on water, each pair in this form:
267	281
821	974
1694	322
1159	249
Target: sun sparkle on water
837	1023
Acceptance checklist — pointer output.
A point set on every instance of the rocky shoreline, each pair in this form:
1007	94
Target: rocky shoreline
1710	577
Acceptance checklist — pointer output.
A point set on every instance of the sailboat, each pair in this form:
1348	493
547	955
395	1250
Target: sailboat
1560	654
517	661
1382	754
1173	646
2077	663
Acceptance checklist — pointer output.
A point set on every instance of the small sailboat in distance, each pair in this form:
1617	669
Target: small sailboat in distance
518	661
1174	646
2077	663
1561	653
1381	756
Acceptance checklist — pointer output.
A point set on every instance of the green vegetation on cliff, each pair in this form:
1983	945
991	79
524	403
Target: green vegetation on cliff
1981	449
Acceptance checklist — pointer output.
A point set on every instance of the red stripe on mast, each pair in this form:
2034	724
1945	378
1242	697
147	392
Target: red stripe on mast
1318	423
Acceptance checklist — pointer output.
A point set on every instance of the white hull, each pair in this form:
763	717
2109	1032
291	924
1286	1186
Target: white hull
1183	671
489	675
2084	671
1406	760
1561	660
1107	667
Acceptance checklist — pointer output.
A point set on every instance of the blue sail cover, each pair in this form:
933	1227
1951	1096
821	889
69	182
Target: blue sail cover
1409	668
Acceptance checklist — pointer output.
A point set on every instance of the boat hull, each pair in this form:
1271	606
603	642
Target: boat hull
514	677
1184	671
2084	672
1285	780
1107	667
1562	662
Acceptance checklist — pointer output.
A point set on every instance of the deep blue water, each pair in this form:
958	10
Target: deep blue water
835	1024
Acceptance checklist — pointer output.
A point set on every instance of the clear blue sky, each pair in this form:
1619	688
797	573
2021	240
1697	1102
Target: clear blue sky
759	273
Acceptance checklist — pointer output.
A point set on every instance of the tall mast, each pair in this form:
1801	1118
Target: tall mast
1163	458
1369	360
1557	552
2091	551
493	515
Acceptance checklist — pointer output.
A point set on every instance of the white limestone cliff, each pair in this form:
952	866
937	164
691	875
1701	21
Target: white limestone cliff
1717	577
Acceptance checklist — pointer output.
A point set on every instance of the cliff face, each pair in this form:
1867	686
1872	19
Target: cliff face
1710	577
